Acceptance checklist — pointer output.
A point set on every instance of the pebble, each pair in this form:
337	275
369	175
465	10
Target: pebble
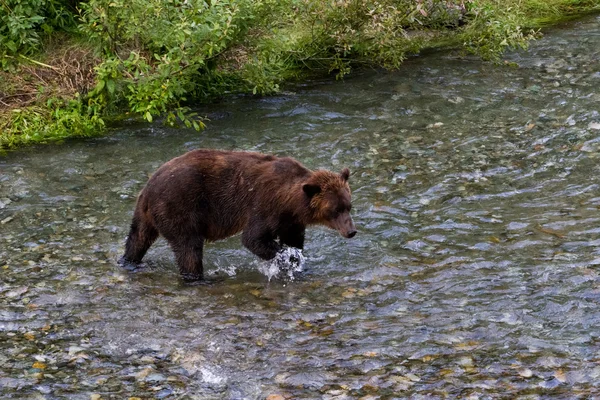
155	378
526	373
594	125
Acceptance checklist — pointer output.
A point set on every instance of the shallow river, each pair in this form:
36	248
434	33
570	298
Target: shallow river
475	273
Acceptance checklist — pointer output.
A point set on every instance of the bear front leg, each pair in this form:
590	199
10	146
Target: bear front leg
293	237
260	241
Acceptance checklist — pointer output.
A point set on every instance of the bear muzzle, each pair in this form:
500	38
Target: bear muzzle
344	225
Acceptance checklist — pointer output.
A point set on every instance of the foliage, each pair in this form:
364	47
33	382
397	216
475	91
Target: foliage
493	28
383	32
156	52
376	32
55	120
23	23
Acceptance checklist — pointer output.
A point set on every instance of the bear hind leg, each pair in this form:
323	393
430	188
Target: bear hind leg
141	236
188	252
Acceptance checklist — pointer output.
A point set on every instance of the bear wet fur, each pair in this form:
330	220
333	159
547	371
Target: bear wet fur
207	195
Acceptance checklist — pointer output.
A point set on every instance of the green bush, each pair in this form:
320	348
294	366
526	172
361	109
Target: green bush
55	120
494	28
157	52
23	23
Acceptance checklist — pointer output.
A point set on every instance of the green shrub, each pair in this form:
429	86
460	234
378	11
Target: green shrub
55	120
156	52
23	23
493	28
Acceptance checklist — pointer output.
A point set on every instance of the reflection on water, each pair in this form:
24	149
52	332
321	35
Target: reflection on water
474	273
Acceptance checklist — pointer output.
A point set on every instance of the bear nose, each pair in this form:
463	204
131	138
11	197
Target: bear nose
351	234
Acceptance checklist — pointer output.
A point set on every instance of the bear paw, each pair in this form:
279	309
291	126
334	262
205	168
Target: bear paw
129	265
189	277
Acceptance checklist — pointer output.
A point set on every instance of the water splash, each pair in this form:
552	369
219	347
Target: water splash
228	269
286	263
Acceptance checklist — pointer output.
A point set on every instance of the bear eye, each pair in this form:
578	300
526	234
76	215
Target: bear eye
343	208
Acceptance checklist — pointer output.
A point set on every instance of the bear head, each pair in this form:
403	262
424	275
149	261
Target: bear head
330	200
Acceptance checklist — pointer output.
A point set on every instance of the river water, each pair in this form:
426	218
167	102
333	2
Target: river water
475	273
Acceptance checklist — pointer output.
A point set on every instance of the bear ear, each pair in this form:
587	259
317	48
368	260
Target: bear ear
311	189
345	174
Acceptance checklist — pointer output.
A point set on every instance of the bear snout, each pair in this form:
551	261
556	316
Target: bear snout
344	225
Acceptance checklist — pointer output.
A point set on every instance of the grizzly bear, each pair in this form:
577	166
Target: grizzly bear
207	195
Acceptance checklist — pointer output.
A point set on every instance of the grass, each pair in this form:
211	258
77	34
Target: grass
42	100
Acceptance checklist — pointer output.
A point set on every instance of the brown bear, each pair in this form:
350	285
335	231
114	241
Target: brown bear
207	195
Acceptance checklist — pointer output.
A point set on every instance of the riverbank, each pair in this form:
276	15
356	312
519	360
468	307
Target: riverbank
140	59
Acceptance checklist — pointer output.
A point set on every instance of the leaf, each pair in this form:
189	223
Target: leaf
325	332
39	365
110	86
304	323
12	46
148	116
550	232
469	345
100	86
